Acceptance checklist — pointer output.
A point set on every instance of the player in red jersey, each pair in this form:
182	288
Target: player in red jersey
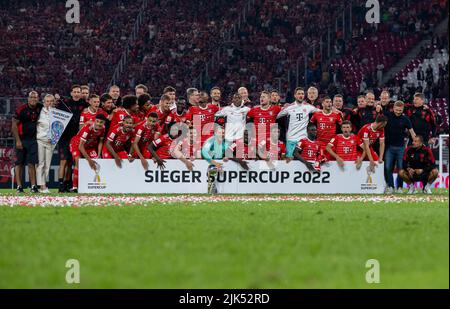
274	150
326	122
88	115
201	117
162	110
369	134
129	108
145	133
263	116
179	113
117	140
344	147
309	151
144	106
87	144
183	149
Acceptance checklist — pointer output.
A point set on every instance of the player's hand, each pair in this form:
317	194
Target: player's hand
358	164
19	145
218	166
380	160
92	164
340	162
118	162
419	171
410	171
288	159
244	165
144	164
160	164
131	159
189	165
310	166
225	159
372	165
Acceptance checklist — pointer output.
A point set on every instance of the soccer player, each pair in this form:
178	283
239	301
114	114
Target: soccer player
236	115
144	105
298	113
419	165
263	117
326	122
129	108
24	128
183	149
145	133
85	93
88	115
369	134
344	147
312	96
114	92
193	96
243	92
201	117
275	97
162	110
216	95
172	93
140	90
423	119
179	114
338	105
274	149
117	140
308	150
88	144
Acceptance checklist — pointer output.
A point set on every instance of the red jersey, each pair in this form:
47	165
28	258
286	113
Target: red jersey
174	117
326	126
88	116
205	115
161	115
346	148
274	151
162	146
187	148
310	150
265	118
118	116
90	136
370	134
145	133
119	138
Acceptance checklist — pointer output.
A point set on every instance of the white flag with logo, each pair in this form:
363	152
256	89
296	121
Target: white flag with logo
58	122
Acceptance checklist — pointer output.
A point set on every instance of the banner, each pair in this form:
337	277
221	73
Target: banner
58	122
284	177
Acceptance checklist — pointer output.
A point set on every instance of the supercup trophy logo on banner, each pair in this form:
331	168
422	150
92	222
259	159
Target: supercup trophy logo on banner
58	122
369	185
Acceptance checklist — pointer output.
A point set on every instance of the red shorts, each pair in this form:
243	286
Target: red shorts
76	153
373	152
106	155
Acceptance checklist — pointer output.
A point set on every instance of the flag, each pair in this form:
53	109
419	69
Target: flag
58	122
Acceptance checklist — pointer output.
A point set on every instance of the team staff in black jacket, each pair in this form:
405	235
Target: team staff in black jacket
419	165
423	119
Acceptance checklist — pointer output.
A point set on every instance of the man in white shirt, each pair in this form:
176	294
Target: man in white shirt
236	116
298	122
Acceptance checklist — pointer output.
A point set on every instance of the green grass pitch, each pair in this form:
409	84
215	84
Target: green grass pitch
233	244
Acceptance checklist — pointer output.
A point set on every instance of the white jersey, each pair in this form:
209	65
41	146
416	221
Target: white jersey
236	120
298	119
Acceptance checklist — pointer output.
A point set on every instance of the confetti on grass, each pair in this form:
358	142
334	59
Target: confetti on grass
136	200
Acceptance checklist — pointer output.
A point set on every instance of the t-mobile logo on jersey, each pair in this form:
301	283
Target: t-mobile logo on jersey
73	14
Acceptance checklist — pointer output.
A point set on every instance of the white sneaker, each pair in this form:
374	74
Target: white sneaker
46	191
412	189
427	189
399	190
388	190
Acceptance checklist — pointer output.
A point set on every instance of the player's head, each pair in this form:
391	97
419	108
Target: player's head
75	93
171	92
419	99
338	101
152	119
236	100
94	101
215	94
312	132
399	106
204	98
274	133
243	93
129	102
85	92
264	98
140	89
346	128
127	124
181	105
313	93
114	92
380	122
299	94
370	98
193	96
385	97
49	100
144	102
326	104
164	103
275	97
33	98
99	122
361	101
219	132
107	102
417	141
